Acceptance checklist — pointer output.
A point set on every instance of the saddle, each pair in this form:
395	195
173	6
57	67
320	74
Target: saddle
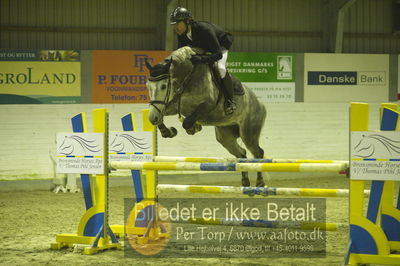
237	85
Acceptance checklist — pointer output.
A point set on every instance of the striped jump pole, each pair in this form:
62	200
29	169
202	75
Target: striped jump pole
240	167
174	159
268	224
263	191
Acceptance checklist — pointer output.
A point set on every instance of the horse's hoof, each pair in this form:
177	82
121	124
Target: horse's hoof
169	133
191	131
188	123
173	132
198	127
245	182
165	134
260	183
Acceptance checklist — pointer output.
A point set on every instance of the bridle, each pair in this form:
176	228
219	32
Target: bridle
180	88
165	102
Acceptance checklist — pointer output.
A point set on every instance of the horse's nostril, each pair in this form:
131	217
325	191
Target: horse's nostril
156	118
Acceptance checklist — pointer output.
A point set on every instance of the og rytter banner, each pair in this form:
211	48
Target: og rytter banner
46	76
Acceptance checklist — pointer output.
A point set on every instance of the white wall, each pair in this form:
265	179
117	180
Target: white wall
292	130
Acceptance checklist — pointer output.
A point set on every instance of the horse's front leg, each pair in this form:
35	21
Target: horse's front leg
193	130
189	123
167	132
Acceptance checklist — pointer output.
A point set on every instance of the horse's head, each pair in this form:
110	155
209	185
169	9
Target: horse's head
166	80
159	86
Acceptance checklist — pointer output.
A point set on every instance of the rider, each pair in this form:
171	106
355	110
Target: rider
210	38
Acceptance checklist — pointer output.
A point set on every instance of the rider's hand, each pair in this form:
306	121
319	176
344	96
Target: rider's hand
196	59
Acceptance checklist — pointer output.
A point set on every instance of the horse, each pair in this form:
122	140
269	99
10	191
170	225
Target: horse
176	86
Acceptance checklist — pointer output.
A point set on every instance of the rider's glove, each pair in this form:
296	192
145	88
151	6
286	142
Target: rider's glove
196	59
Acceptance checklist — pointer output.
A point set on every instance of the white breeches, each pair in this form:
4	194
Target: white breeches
222	63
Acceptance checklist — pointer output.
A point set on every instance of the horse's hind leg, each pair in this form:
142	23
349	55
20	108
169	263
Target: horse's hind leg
250	134
228	136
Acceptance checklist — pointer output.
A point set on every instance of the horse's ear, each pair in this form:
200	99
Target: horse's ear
173	62
168	64
148	65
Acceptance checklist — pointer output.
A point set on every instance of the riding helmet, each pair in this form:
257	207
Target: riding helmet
179	14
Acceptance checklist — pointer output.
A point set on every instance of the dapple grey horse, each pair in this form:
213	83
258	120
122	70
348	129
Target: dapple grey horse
176	86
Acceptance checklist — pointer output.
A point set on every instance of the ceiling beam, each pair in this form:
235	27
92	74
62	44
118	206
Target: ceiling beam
333	21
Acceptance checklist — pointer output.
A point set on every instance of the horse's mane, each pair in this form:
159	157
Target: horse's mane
184	53
179	57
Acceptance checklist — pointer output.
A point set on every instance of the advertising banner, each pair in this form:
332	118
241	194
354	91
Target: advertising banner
47	76
271	76
120	76
346	77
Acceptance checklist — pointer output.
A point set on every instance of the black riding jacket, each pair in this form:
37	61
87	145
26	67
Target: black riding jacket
209	37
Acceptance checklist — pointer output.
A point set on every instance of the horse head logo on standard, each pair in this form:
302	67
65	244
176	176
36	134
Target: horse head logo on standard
122	142
78	144
376	146
192	90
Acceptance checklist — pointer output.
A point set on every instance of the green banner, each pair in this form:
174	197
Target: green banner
270	75
262	67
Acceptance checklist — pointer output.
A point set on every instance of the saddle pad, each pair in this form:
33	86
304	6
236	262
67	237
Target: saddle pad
237	85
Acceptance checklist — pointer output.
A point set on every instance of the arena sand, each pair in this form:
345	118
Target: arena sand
30	221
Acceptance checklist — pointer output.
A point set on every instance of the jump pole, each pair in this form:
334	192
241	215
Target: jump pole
251	191
236	167
269	224
177	159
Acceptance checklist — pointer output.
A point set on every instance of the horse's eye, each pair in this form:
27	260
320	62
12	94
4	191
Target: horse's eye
163	87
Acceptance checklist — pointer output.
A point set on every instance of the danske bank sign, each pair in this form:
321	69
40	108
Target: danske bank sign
346	78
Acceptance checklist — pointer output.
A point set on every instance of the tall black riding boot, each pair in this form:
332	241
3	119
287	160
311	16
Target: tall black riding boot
230	105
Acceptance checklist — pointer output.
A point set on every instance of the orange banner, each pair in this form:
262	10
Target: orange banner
120	76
